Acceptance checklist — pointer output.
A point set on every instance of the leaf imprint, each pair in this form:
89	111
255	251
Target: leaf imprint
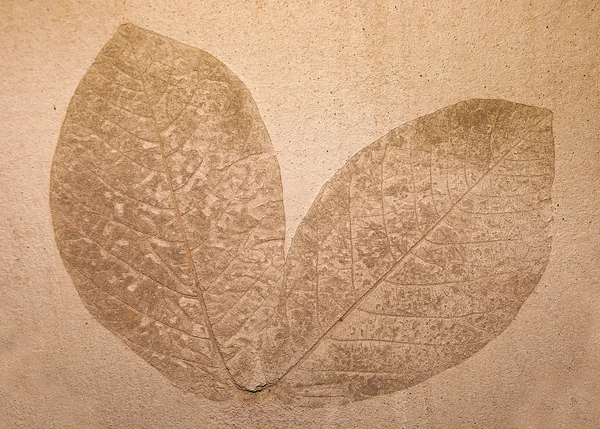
166	200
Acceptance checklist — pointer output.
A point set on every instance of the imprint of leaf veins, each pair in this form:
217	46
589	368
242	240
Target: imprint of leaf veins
167	206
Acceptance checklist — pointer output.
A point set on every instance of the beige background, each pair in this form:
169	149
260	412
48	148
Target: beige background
328	78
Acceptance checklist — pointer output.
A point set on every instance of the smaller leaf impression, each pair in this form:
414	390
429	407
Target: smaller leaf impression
416	254
166	201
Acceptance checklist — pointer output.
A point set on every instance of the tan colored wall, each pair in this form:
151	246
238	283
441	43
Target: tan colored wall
328	79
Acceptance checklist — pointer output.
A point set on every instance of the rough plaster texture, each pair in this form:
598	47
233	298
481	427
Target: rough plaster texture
328	79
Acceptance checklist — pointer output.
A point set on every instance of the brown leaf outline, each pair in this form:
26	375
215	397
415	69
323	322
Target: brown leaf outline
167	206
416	254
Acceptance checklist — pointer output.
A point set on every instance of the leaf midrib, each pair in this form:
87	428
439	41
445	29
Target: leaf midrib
184	237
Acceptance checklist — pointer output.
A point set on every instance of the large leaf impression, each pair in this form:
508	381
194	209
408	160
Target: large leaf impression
166	200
